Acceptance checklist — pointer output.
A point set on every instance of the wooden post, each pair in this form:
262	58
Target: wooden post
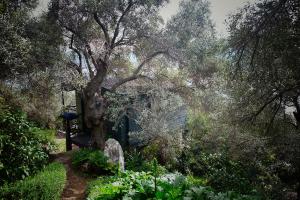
68	136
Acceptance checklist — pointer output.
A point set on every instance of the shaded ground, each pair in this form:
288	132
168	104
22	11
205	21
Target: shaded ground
76	183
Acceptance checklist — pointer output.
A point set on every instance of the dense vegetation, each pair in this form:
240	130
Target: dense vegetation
140	185
22	145
215	118
47	184
93	162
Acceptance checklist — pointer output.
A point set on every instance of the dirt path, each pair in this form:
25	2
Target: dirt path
76	184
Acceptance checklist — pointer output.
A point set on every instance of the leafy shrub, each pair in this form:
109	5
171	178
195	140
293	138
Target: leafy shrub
20	146
135	161
45	185
135	184
243	174
222	173
198	124
46	137
141	185
196	181
203	193
94	161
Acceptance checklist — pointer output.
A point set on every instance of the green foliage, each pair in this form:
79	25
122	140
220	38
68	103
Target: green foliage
94	160
21	145
242	169
129	183
203	193
14	48
160	138
46	137
135	161
196	181
29	55
45	185
196	42
198	124
140	185
264	85
60	145
221	172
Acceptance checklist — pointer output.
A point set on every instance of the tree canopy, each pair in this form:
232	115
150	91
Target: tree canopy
264	42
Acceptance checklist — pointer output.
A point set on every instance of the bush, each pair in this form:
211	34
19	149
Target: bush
206	193
45	185
141	185
222	173
94	161
117	187
47	138
240	163
135	161
199	124
20	145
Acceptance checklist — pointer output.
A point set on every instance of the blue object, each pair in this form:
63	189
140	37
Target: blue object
69	116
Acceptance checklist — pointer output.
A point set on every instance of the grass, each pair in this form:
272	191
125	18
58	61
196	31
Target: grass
45	185
60	145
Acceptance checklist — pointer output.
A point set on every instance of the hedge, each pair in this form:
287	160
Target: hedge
45	185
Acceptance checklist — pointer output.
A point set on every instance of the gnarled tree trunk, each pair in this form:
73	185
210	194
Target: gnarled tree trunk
94	108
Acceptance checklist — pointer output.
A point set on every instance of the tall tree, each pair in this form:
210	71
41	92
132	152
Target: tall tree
103	32
30	54
265	49
264	41
193	35
14	47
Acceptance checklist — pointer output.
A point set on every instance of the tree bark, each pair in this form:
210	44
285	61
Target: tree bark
98	135
94	108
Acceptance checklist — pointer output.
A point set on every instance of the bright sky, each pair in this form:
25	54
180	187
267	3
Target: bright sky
220	9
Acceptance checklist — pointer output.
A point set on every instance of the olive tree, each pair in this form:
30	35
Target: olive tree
118	39
264	49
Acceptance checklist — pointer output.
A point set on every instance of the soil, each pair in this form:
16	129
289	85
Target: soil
76	183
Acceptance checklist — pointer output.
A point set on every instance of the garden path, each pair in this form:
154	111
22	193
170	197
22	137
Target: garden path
76	184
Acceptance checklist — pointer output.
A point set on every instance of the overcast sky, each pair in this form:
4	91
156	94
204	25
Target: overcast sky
220	9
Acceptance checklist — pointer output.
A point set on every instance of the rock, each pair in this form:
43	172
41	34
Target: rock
114	152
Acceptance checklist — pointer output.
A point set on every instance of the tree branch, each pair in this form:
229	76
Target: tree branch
90	53
103	28
148	59
88	64
117	29
121	40
138	69
78	54
274	115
